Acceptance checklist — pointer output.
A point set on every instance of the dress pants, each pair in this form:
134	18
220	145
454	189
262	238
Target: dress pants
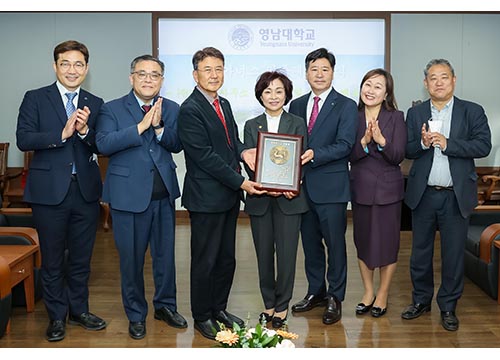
438	209
133	232
325	222
70	226
212	260
276	232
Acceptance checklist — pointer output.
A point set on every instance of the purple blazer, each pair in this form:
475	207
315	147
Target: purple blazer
376	177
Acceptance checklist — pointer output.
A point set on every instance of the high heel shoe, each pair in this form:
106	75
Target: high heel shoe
361	308
279	322
265	317
378	312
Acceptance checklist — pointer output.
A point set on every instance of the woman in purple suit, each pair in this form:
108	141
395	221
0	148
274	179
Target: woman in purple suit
377	187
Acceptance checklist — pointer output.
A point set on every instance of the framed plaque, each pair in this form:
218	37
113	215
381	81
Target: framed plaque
278	164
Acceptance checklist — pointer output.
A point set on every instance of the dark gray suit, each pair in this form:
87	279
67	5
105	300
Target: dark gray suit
275	222
446	210
212	196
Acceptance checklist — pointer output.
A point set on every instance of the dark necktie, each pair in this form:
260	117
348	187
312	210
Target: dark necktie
146	108
221	117
314	114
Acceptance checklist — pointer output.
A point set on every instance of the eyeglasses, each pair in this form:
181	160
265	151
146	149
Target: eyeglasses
209	70
78	66
142	75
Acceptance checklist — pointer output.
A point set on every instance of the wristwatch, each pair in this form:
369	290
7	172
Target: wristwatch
159	126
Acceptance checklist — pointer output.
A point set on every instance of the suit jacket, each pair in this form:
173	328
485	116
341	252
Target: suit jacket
470	138
129	179
42	117
326	178
289	124
376	177
212	182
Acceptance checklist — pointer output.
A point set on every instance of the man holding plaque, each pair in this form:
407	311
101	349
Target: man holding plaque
212	191
332	125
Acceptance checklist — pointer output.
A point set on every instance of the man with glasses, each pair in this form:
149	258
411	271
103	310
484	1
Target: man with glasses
212	191
139	134
63	186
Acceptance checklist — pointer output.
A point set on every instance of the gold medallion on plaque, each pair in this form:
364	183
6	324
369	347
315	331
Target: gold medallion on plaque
279	155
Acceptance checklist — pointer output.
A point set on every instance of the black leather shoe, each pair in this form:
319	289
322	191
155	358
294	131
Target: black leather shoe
137	329
378	312
449	320
279	322
172	318
309	302
265	317
228	319
56	330
207	328
88	321
333	311
413	311
361	308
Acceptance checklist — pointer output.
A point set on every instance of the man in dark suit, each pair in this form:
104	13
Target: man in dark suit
139	134
332	124
63	186
445	135
212	191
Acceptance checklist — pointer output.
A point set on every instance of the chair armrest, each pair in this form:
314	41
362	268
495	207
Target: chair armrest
22	217
5	178
4	278
10	175
493	179
16	211
490	208
487	236
26	232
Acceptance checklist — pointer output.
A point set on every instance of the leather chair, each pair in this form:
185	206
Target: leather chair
481	256
19	218
5	297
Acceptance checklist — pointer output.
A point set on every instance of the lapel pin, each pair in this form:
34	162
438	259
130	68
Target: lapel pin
260	126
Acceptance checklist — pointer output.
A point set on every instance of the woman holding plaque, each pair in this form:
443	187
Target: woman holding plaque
275	217
377	187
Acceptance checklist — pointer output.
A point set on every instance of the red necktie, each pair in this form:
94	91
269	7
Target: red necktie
314	114
146	108
221	117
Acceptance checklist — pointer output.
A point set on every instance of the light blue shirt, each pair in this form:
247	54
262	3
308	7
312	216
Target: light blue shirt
440	174
62	92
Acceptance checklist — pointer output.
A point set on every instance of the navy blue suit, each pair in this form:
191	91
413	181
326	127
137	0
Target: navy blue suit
326	184
128	187
65	210
469	138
